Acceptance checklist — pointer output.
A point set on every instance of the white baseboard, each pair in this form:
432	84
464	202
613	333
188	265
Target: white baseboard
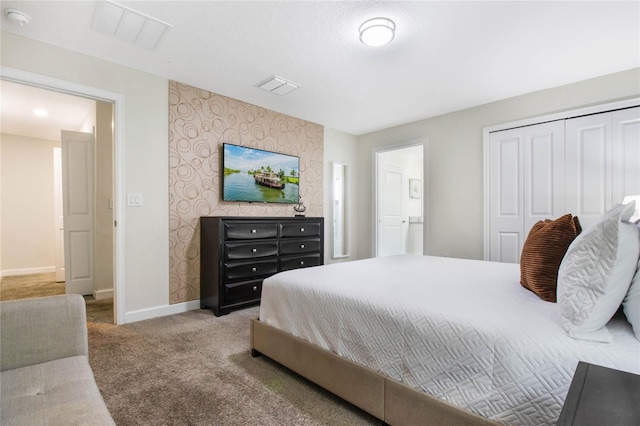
160	311
27	271
103	294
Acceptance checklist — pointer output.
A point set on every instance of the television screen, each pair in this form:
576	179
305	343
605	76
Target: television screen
254	175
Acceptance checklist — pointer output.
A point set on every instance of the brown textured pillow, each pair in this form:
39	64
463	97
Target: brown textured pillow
542	253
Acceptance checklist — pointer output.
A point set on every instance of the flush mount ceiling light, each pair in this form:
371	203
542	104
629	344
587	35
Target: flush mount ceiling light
40	112
377	31
17	16
278	85
129	25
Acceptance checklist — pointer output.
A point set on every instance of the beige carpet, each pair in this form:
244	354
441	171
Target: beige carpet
196	369
41	285
28	286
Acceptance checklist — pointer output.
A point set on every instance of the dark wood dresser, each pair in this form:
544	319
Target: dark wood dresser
238	253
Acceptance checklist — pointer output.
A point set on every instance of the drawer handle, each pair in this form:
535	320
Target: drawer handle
301	229
255	288
254	269
301	245
254	250
301	262
253	231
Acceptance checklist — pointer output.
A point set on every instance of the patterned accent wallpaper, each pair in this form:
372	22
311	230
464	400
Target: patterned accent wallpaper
199	123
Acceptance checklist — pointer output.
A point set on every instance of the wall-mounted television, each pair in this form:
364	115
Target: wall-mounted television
258	176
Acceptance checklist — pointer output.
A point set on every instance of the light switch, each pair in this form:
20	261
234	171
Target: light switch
134	199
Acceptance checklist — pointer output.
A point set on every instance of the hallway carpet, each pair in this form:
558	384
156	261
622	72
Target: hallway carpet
41	285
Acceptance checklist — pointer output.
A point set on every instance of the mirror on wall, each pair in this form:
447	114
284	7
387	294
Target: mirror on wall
339	198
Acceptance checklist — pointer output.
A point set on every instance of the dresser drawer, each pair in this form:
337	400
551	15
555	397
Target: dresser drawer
297	229
242	292
250	231
234	271
250	250
299	262
299	246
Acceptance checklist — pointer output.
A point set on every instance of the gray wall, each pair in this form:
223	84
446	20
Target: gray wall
454	159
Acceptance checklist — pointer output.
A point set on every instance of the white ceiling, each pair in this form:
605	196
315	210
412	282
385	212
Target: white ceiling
446	56
65	112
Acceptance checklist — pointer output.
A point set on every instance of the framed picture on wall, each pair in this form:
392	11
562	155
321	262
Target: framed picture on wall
415	188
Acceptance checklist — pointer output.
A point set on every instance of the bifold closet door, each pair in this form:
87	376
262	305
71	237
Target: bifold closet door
506	174
626	147
603	162
526	175
581	166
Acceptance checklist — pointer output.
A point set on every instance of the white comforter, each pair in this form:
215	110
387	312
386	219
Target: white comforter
462	330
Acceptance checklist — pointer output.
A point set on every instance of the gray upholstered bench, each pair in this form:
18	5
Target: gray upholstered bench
45	376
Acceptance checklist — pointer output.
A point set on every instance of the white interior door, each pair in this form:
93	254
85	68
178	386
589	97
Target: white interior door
59	219
506	177
626	153
78	211
392	226
544	179
589	167
527	184
603	162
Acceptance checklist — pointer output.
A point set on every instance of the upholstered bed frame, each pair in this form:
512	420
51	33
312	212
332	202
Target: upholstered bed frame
389	400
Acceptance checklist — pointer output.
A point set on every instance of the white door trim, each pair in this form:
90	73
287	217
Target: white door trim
37	80
57	202
628	103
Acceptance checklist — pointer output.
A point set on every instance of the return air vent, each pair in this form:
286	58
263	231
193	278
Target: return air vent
278	85
128	25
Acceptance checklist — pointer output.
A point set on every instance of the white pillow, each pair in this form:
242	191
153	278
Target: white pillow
631	303
596	272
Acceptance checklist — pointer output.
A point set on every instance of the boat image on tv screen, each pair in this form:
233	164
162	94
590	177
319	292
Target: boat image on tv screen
255	175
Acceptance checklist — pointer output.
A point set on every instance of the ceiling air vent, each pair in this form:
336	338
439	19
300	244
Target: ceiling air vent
278	85
129	25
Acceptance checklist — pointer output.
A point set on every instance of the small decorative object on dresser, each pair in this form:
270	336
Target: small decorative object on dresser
299	207
238	253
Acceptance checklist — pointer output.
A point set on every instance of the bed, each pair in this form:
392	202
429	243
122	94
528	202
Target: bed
421	339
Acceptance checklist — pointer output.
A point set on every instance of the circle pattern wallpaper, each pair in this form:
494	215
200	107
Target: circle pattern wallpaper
199	123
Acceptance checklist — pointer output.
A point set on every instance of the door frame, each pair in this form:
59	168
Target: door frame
58	215
117	99
424	143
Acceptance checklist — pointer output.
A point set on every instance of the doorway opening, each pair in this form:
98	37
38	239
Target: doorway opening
399	199
98	260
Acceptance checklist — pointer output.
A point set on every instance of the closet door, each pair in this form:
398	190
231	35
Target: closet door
626	153
526	177
589	167
544	173
506	174
603	162
581	166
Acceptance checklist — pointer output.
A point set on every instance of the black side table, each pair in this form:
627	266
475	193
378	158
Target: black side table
601	396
